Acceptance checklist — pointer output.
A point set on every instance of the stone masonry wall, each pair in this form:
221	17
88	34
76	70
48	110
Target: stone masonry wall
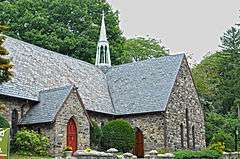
184	96
71	109
152	126
22	106
100	118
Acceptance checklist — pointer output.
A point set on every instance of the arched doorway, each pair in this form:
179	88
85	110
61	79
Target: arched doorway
72	134
14	123
139	144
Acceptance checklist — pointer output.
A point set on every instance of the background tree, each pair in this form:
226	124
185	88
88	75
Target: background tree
70	27
137	49
5	65
217	80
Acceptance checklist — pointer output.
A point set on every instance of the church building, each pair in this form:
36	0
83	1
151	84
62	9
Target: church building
59	96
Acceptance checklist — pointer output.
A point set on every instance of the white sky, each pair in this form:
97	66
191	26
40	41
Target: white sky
192	26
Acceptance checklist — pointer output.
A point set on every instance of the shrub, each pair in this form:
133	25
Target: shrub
3	122
95	135
164	150
187	154
218	146
29	142
225	138
118	134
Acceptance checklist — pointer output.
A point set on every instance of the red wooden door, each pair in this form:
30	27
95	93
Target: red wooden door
72	134
139	144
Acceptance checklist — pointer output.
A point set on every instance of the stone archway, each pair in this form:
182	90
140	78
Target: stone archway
72	134
139	144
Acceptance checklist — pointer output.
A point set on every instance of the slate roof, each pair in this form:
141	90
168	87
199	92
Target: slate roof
40	69
143	86
50	103
18	91
132	88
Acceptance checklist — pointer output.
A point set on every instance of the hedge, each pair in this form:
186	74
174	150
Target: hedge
187	154
118	134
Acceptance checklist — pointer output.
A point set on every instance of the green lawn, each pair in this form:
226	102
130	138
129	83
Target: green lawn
27	157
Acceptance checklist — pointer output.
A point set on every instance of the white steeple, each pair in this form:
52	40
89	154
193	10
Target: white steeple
103	52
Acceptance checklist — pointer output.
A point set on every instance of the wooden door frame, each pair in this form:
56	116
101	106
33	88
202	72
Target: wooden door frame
76	134
135	151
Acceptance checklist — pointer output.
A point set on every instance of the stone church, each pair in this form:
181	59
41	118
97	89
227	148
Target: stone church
60	96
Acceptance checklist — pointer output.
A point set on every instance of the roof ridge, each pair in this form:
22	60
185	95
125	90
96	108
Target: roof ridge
147	60
57	88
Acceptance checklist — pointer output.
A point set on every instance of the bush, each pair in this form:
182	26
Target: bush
3	122
164	150
118	134
186	154
95	135
219	146
225	138
29	142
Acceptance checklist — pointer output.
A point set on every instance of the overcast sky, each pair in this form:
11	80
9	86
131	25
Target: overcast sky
192	26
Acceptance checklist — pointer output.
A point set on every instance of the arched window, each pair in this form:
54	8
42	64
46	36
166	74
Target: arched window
187	127
193	137
22	111
182	136
14	122
106	60
102	124
102	54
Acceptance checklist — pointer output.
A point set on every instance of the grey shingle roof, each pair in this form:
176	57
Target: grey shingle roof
50	103
40	69
144	86
138	87
18	91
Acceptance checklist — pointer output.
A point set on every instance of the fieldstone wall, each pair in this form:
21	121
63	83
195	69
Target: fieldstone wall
100	118
21	105
184	98
152	126
72	108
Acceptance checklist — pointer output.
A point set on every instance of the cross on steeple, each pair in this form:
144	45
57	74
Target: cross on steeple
103	52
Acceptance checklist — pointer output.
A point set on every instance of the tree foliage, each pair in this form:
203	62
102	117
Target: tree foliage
217	76
5	65
221	128
118	134
217	81
231	40
70	27
137	49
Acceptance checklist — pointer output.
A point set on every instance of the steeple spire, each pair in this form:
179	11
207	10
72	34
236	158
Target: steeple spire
103	35
103	52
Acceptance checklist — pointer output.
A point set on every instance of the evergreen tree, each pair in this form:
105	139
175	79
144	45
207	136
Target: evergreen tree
5	65
231	40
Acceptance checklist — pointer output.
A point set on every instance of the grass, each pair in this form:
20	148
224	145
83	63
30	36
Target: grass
27	157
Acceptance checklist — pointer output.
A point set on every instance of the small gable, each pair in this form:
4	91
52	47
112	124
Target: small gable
50	103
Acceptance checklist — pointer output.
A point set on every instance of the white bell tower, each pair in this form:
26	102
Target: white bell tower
103	52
